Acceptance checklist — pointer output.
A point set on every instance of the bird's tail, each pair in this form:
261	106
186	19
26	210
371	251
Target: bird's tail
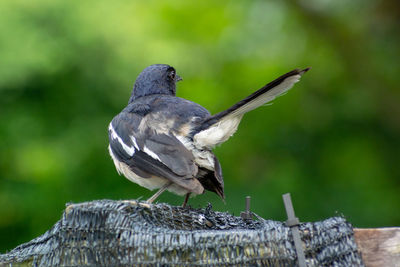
219	127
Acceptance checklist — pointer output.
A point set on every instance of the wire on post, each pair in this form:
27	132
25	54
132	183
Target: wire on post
293	223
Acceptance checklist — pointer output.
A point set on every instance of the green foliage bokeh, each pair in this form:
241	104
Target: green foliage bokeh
67	67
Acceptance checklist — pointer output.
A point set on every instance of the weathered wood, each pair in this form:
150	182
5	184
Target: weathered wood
379	246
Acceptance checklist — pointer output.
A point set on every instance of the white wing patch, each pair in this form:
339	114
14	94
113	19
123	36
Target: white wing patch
128	149
151	153
134	142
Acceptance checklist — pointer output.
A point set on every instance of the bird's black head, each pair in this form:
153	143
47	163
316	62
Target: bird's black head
155	79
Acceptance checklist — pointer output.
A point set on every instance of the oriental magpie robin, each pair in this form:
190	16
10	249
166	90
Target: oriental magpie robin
164	142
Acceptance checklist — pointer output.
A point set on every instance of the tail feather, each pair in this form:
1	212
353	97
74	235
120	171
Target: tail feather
219	127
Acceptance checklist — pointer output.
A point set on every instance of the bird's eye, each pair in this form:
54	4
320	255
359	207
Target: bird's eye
172	74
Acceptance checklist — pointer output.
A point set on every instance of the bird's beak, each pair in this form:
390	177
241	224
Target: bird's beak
178	78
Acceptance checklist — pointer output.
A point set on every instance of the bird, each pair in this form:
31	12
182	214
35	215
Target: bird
161	141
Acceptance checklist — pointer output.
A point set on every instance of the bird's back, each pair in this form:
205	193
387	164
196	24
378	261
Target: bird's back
165	114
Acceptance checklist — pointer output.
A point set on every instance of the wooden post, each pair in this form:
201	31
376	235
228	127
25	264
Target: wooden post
379	246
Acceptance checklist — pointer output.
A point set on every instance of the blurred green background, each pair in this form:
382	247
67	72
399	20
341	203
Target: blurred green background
67	67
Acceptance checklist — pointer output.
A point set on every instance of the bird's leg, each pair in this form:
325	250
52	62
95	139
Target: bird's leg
159	192
186	200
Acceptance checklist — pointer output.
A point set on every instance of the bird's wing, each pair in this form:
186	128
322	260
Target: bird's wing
218	128
148	153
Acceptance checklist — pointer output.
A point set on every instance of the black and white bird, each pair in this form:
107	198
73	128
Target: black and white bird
164	142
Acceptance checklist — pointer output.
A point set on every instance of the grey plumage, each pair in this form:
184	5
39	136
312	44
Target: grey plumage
163	141
155	79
